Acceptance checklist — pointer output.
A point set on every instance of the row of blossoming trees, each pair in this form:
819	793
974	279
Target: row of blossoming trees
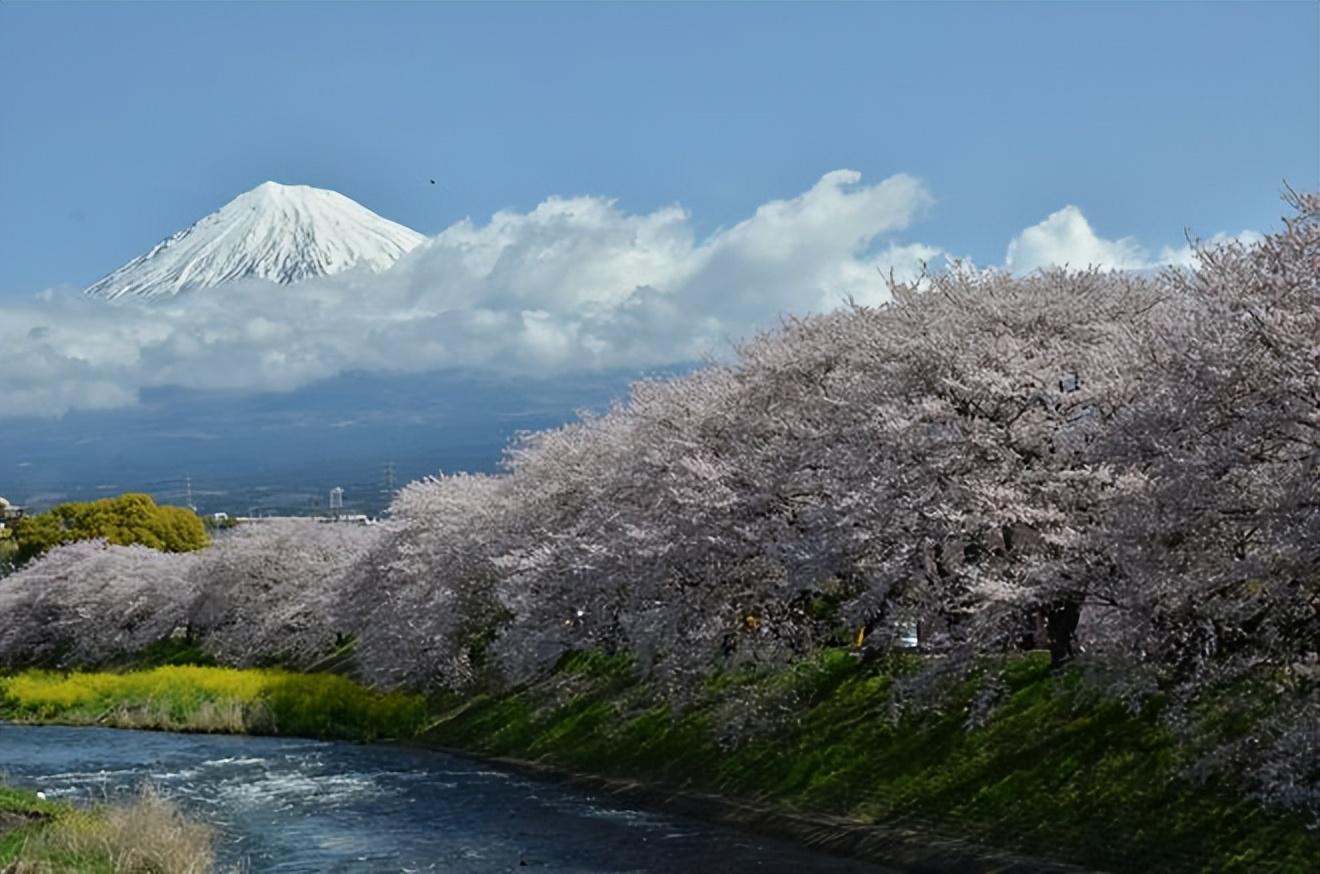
1122	469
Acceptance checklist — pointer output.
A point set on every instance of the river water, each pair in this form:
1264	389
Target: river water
293	805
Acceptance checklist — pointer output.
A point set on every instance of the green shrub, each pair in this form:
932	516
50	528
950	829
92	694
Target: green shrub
125	520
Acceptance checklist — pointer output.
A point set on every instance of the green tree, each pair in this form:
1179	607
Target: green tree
125	520
8	550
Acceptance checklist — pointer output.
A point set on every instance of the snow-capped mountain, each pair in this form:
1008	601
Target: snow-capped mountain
281	233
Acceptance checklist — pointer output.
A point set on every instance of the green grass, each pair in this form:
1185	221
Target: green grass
1057	771
199	698
16	806
22	802
147	835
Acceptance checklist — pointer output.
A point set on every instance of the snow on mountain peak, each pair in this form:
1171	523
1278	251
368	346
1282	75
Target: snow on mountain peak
280	233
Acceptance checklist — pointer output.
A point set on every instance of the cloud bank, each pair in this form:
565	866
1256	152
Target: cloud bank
575	284
1066	238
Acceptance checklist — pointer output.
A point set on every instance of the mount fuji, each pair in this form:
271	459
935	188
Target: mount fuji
278	451
280	233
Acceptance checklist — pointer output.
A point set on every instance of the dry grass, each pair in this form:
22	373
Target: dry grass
220	716
147	836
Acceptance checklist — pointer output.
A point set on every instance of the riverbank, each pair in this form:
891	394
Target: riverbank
1054	771
212	699
144	836
21	813
897	848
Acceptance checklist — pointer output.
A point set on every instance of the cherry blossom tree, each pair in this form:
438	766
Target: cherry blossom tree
266	590
423	597
91	604
1217	589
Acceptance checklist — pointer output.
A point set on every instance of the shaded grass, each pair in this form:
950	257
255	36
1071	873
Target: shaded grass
211	699
172	651
1057	771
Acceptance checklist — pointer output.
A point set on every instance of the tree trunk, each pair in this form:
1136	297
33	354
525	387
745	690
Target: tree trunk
1061	627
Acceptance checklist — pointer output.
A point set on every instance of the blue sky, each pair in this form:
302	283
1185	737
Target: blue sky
120	123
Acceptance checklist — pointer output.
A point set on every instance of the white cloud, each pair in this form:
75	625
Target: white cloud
574	284
1183	256
1066	238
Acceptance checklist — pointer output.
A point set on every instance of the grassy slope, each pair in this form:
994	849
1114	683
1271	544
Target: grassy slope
1056	772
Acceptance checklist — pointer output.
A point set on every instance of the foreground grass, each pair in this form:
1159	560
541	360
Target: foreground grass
21	815
211	699
146	836
1056	771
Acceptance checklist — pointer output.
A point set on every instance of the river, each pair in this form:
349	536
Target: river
295	805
